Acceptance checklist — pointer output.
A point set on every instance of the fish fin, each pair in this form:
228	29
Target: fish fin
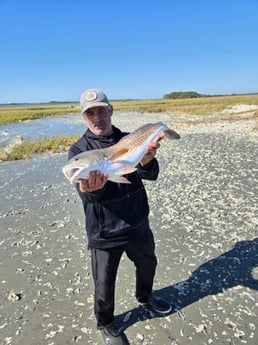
171	134
126	170
119	179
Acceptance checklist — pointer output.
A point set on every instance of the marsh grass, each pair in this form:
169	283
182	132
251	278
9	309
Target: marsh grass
20	113
191	106
26	149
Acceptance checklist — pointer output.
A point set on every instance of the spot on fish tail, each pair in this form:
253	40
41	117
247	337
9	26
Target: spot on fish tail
171	134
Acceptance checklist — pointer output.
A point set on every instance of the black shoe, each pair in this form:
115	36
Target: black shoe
158	304
111	336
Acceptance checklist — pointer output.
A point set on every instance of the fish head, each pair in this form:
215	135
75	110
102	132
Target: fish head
82	164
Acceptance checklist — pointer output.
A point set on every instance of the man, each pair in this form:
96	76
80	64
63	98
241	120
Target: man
116	216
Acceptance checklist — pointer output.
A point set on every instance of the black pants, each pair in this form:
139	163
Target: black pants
104	269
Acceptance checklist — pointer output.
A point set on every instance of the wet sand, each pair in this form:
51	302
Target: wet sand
204	215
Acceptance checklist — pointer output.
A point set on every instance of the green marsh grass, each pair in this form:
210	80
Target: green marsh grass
26	149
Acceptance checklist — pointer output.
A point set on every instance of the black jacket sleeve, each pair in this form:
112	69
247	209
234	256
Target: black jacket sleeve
149	171
90	196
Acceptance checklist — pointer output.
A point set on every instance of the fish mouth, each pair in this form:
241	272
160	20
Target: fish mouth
70	173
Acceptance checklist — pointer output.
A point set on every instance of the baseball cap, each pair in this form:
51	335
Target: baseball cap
93	98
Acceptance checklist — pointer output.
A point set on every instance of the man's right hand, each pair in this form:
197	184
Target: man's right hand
95	181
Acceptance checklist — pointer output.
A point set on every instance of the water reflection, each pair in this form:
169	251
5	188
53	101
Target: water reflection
44	127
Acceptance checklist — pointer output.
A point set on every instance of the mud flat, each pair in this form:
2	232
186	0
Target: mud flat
204	215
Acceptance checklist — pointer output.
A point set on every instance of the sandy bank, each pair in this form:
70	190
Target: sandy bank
204	210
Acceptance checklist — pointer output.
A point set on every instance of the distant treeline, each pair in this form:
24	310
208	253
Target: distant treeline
188	94
183	94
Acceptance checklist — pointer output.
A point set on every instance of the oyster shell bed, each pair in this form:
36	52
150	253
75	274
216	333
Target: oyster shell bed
204	215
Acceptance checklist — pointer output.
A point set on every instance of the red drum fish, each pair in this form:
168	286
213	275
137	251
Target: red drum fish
119	159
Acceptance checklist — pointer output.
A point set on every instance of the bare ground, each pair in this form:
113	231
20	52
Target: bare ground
204	217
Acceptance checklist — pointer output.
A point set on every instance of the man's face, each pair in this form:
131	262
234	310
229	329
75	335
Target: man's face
98	120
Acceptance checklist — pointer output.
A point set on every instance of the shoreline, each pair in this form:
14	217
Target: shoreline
204	219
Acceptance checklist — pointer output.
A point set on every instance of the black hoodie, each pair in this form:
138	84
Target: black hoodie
118	212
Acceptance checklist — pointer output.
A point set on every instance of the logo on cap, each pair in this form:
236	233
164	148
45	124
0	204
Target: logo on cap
91	96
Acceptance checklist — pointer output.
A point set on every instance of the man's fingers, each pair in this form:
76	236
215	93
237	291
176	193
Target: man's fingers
95	181
160	136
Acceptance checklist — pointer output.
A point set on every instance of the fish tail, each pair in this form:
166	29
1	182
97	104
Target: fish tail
171	134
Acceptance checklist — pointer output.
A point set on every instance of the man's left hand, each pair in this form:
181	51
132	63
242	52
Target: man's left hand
151	150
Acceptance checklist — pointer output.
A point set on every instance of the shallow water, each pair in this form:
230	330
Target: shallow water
44	127
73	124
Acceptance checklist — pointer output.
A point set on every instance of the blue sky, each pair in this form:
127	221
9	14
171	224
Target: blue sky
51	50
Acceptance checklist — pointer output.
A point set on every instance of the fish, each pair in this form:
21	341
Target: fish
119	159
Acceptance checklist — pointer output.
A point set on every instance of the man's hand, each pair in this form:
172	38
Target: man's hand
95	181
151	150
